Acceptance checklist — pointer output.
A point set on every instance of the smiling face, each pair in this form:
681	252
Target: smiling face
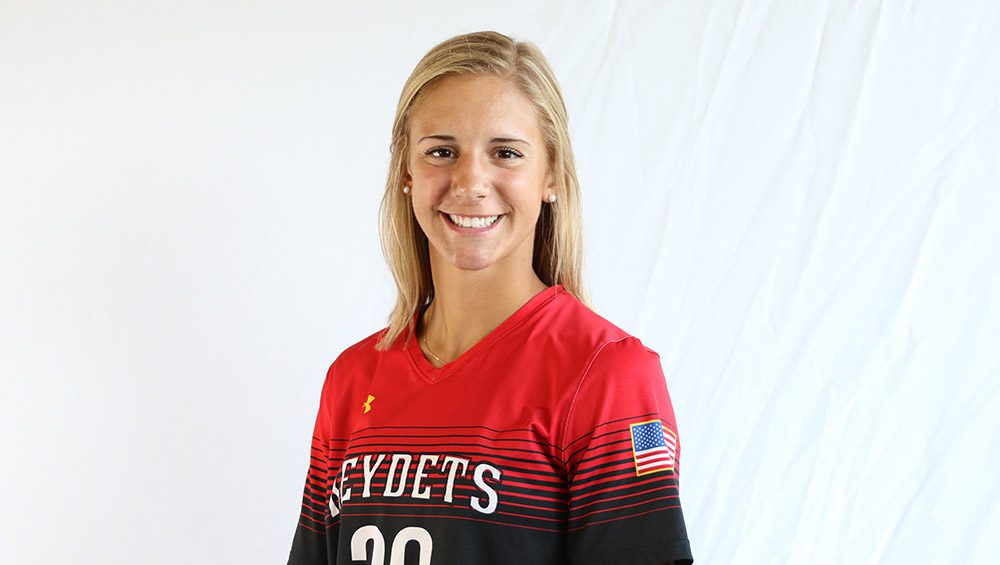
476	151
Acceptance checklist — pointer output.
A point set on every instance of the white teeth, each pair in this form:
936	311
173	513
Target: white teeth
473	222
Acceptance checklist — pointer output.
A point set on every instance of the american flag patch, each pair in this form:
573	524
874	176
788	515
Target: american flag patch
653	447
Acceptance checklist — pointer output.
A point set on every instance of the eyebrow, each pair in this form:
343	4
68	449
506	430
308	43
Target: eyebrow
494	140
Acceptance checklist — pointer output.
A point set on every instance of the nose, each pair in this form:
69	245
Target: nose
470	177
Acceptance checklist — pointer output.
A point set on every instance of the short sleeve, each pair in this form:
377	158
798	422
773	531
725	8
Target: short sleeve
621	453
310	544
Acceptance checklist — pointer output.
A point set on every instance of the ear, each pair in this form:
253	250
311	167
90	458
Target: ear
550	178
550	182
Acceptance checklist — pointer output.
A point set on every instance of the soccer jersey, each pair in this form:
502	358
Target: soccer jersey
552	440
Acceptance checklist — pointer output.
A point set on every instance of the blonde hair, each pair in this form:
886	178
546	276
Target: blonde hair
558	249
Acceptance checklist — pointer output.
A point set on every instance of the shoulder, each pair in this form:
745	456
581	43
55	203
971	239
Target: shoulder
590	334
359	356
587	353
349	376
608	357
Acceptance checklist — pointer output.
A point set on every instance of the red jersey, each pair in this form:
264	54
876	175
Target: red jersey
551	441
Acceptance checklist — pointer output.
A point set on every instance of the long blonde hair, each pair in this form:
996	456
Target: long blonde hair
558	249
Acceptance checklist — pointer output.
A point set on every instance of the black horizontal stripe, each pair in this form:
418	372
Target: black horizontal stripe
315	501
324	440
608	423
629	485
628	472
313	514
616	457
534	476
618	500
474	459
310	527
470	514
517	504
627	512
323	451
625	440
506	480
494	430
592	447
358	436
548	459
461	487
319	479
462	505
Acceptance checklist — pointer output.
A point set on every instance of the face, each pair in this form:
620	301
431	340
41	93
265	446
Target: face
476	152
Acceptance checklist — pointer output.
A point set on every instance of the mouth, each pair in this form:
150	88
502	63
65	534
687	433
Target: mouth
472	224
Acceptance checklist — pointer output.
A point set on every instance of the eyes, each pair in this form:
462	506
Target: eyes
503	153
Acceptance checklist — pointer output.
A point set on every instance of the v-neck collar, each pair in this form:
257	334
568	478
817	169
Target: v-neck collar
433	374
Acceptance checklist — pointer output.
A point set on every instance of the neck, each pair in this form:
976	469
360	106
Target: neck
466	309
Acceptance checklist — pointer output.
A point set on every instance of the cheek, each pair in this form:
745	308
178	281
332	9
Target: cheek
424	217
422	205
428	178
425	203
526	190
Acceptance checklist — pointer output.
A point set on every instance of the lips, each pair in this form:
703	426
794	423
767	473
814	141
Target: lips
471	230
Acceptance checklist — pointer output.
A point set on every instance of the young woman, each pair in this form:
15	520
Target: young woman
497	418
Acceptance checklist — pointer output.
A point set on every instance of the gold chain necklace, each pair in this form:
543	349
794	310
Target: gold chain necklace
427	347
429	350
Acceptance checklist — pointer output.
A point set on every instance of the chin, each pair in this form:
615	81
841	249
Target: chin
470	259
472	264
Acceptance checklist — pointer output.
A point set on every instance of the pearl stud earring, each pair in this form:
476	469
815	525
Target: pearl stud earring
552	198
406	189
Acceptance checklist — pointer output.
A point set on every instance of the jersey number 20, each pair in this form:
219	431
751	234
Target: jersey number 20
359	545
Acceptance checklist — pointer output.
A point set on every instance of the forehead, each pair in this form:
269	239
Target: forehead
473	104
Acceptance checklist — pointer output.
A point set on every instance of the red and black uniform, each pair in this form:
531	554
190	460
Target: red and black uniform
550	441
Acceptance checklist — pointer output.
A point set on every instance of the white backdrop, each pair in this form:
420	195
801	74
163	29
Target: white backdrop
794	203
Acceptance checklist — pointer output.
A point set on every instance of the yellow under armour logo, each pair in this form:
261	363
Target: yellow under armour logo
367	405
